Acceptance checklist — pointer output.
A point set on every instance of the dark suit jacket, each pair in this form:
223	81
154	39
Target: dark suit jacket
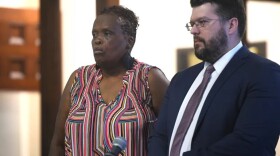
240	116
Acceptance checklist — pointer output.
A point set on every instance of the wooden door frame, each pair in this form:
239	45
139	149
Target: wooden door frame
50	65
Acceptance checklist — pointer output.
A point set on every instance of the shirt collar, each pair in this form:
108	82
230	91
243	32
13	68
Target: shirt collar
220	64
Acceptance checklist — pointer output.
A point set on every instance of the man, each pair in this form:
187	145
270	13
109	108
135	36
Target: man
239	111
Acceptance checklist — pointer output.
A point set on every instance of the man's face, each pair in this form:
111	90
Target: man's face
210	37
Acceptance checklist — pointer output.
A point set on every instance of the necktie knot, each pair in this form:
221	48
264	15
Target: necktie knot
210	69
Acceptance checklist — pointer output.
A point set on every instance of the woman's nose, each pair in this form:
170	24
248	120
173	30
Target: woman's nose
96	40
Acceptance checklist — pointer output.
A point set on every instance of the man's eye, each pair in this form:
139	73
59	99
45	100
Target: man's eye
201	21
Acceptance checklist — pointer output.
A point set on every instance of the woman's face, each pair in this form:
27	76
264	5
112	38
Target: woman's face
109	42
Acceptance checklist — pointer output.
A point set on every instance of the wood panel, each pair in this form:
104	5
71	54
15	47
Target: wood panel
19	49
50	58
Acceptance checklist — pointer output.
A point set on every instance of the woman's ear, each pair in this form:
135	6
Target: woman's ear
130	42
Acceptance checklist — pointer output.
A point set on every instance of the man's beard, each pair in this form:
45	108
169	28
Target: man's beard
214	49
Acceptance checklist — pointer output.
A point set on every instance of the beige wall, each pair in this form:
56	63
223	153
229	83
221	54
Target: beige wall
77	19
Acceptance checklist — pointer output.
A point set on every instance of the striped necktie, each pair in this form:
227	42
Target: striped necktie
189	112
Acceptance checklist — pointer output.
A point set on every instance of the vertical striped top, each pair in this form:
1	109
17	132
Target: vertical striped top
92	124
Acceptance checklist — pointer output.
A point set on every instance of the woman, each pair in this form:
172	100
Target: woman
116	97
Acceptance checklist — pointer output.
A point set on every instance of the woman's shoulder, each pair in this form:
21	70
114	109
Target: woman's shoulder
148	71
87	67
85	71
143	65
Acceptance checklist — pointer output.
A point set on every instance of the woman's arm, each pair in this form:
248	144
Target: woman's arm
158	84
57	143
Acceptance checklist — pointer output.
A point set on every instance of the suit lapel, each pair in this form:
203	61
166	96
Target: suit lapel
186	80
235	63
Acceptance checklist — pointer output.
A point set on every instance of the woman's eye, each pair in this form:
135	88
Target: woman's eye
94	35
107	33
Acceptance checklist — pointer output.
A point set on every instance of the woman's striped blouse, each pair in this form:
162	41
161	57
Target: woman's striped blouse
92	124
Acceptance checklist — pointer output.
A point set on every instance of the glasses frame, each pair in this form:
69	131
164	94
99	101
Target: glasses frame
200	23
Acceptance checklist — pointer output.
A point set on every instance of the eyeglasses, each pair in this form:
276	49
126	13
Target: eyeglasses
199	23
